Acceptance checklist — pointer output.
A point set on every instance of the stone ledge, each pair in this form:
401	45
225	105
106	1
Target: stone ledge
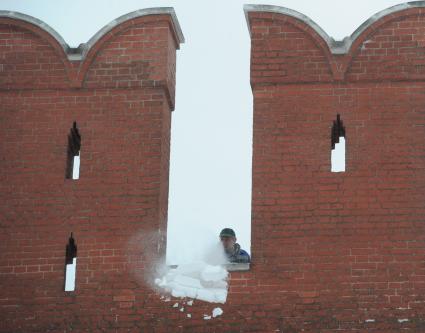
234	267
238	267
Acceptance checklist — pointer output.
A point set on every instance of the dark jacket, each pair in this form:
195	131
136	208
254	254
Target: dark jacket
238	255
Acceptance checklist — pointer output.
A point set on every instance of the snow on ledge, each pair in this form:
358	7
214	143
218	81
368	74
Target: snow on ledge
236	267
231	267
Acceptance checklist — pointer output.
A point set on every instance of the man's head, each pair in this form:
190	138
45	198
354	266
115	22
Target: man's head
228	239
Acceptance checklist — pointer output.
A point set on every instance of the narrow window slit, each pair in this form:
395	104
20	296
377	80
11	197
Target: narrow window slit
338	146
73	160
70	264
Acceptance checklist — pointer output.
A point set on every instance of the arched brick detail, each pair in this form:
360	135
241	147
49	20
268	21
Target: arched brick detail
132	54
78	61
274	35
45	71
381	42
340	54
150	19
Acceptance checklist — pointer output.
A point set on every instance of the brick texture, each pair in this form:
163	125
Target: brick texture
332	252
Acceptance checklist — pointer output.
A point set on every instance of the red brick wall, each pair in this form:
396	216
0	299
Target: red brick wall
330	250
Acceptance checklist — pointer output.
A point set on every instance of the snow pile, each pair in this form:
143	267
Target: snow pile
216	312
203	278
197	280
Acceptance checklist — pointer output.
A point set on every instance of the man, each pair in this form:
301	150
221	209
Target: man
232	249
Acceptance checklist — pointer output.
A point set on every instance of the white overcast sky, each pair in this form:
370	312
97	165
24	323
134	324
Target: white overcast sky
211	141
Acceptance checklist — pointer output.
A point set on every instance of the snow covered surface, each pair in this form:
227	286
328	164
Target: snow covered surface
198	280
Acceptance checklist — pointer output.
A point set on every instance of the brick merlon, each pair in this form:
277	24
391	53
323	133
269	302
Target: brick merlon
75	54
335	46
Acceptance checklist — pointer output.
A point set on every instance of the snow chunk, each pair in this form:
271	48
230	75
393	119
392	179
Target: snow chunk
175	305
206	317
197	280
190	303
402	320
213	273
189	315
217	312
187	281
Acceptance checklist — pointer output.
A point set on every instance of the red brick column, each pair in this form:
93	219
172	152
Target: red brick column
119	88
338	251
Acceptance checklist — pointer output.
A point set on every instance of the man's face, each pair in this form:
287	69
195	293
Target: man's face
228	242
